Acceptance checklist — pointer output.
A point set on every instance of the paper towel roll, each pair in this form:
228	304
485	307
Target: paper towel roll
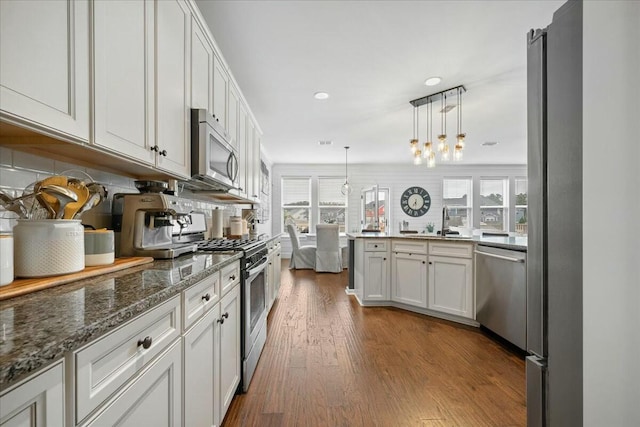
217	216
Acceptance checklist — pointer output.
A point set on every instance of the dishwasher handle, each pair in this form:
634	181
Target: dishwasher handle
506	258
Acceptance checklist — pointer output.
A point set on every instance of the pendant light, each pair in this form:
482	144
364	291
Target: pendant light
346	187
457	151
443	147
414	141
417	155
428	146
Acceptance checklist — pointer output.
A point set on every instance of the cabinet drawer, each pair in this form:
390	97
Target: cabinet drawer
409	246
104	366
199	298
375	245
229	276
460	250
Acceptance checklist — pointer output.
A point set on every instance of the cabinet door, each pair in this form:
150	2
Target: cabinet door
201	373
409	279
123	78
44	65
233	114
173	22
153	399
376	276
201	69
277	270
229	348
451	285
37	402
250	153
220	89
242	150
257	171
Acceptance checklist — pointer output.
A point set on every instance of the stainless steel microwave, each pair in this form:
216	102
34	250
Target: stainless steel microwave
214	161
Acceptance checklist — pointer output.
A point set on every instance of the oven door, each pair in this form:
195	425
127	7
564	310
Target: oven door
255	304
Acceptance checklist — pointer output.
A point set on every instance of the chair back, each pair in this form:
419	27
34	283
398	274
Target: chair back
293	235
328	237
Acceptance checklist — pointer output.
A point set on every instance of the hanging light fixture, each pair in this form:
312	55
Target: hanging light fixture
429	149
346	187
417	155
414	141
457	150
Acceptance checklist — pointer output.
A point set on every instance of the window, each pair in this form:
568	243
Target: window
332	203
456	195
493	204
521	205
296	203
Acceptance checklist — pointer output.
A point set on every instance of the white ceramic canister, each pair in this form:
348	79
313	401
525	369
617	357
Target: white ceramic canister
98	247
6	259
48	247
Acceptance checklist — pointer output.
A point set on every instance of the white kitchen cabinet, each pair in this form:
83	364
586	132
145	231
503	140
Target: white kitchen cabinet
230	357
220	91
250	159
173	135
451	285
409	279
242	150
256	166
277	268
153	398
376	276
37	402
273	273
233	112
123	55
202	371
201	68
44	66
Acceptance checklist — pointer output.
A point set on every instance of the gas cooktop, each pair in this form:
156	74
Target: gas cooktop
218	245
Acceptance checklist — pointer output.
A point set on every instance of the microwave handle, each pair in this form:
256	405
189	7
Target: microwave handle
232	167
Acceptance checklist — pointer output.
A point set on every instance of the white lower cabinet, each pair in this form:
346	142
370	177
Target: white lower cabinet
37	402
273	274
451	285
409	279
212	363
376	276
153	398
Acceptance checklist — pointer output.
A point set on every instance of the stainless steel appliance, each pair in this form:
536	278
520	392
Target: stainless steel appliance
156	225
501	292
554	253
253	294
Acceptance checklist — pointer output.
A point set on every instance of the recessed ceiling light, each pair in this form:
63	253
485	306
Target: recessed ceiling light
321	95
432	81
489	143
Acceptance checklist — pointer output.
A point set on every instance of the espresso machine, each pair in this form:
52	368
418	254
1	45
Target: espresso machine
157	225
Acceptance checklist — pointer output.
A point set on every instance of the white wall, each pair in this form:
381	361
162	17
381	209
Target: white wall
611	221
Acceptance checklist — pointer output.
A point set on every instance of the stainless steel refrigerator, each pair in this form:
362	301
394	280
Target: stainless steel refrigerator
554	255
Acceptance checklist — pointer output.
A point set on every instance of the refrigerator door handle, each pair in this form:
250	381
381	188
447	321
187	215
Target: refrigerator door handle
536	391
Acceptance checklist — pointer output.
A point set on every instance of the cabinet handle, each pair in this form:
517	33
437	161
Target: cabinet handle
424	262
207	297
375	246
220	320
430	263
384	259
145	343
163	153
226	315
232	278
155	148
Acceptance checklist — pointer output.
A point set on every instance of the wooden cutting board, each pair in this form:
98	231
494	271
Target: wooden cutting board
25	286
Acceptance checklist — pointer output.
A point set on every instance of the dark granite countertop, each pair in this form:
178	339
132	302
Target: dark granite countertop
518	243
38	328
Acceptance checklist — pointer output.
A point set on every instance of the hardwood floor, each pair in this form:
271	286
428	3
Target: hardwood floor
330	362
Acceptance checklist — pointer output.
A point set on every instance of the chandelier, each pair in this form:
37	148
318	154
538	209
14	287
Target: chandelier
429	151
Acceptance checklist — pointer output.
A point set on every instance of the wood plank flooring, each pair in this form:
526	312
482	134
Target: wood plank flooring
330	362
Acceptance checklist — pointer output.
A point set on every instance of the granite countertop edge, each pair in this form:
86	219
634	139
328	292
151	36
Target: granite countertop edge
511	242
24	364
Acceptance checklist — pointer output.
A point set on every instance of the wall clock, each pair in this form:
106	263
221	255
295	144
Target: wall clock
415	201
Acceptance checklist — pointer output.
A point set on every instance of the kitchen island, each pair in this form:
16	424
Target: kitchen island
427	274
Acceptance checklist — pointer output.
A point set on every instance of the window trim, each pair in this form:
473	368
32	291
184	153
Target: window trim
470	197
283	205
318	207
506	189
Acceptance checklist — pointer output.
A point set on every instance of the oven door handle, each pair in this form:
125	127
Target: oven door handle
258	269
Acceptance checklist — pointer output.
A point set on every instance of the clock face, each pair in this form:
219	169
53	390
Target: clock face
415	201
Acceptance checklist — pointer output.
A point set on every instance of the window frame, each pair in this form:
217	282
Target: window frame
505	202
318	207
516	206
284	206
469	207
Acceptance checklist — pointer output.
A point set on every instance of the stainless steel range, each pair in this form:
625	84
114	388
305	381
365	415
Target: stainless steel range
253	296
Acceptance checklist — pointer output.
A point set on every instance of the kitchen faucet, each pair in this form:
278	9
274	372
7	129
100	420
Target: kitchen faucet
445	218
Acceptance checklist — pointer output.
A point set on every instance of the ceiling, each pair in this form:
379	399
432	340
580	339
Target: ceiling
373	57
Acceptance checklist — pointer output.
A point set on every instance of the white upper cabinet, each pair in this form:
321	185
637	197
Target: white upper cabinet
233	114
220	90
123	37
201	69
44	66
173	36
242	149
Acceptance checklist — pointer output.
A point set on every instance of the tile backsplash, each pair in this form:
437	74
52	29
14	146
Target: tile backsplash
18	170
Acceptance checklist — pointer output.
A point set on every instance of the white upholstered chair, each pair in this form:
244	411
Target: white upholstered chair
328	252
301	256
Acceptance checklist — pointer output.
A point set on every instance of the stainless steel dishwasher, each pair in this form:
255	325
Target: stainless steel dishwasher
501	292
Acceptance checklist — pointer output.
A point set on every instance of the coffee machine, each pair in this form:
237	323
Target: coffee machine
157	225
